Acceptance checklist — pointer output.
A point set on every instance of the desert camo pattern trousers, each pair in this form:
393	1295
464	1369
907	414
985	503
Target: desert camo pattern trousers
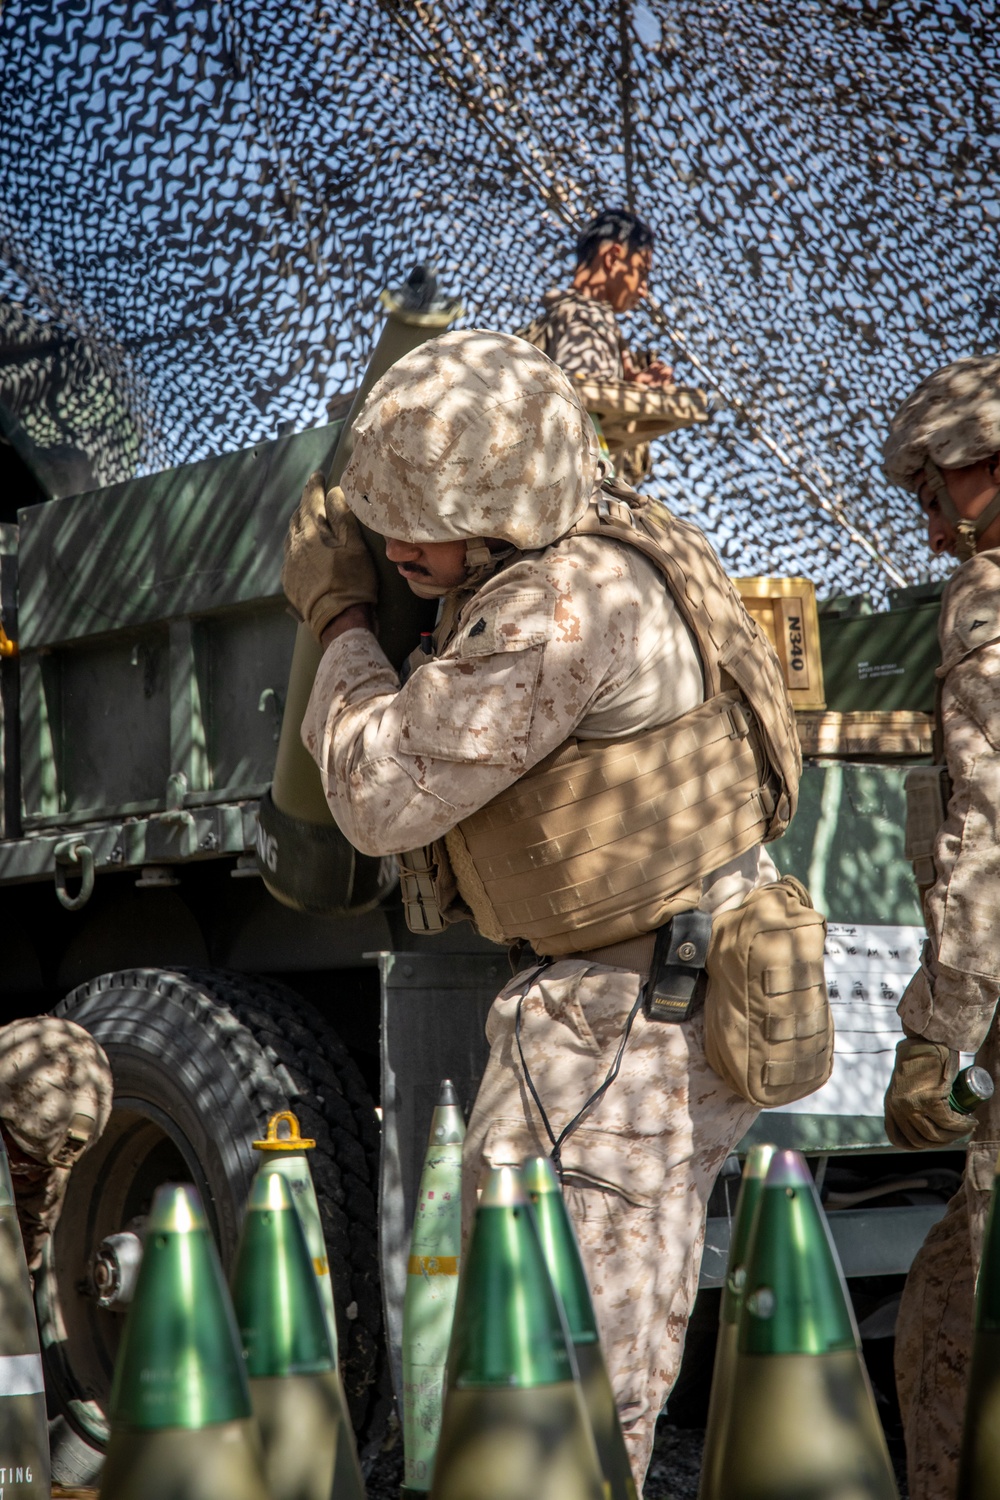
637	1170
937	1313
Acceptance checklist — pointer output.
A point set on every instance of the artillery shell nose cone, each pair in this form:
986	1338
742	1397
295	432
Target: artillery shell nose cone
788	1169
176	1209
269	1192
503	1189
539	1176
448	1094
759	1159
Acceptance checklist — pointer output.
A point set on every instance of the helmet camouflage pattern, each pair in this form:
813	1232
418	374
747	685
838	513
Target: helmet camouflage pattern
474	434
952	418
55	1088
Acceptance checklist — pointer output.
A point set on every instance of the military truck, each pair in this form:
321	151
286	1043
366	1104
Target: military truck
144	663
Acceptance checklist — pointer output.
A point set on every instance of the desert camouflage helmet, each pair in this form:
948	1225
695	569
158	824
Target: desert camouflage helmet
474	434
55	1088
952	418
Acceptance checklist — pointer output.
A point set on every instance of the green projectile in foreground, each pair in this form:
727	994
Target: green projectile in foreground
514	1425
289	1361
431	1290
712	1485
562	1256
181	1422
284	1155
979	1465
23	1423
802	1417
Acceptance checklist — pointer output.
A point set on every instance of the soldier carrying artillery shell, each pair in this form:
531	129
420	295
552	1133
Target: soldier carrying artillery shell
586	764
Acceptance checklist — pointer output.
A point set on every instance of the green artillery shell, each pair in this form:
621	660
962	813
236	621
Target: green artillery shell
23	1422
431	1289
285	1342
712	1485
565	1264
514	1424
286	1155
979	1464
802	1416
285	1161
181	1423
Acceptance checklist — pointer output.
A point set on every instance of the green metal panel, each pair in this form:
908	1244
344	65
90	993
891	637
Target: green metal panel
186	542
155	652
846	844
881	661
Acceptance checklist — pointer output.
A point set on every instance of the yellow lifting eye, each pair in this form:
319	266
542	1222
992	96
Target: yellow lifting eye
293	1141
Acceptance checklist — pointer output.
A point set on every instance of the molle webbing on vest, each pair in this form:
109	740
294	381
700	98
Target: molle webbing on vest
605	840
732	649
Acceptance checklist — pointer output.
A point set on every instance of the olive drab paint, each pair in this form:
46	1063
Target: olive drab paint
431	1289
514	1425
289	1359
304	859
802	1418
181	1421
24	1428
712	1485
979	1462
284	1151
565	1265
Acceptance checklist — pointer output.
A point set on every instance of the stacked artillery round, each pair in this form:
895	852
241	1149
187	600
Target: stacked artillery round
431	1290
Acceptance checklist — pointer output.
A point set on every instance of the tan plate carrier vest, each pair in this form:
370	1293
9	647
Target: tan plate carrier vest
603	841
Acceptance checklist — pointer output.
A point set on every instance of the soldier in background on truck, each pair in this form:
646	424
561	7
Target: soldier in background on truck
944	446
561	645
55	1100
578	330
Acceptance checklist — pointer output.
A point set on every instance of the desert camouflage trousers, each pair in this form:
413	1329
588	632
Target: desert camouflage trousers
637	1170
937	1313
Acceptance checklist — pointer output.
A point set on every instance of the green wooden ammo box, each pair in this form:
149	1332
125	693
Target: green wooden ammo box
878	662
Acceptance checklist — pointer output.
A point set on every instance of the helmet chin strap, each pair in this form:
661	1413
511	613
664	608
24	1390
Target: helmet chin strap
480	562
967	532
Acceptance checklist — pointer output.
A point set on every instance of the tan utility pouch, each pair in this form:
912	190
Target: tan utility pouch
768	1027
427	885
927	792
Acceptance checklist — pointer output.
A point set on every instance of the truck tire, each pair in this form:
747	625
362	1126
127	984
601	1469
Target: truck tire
201	1059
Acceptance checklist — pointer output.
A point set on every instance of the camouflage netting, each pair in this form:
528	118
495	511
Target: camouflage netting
199	204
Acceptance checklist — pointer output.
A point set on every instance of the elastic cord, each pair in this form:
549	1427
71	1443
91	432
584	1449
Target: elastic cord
598	1094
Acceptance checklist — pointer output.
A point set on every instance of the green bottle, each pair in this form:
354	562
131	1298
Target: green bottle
972	1087
23	1421
289	1361
565	1265
802	1416
284	1149
979	1463
181	1421
431	1290
713	1485
514	1426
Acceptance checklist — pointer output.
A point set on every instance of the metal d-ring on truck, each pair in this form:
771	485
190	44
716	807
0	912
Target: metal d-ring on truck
144	669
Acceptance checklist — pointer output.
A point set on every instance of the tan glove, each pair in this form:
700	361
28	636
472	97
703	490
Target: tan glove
917	1112
327	565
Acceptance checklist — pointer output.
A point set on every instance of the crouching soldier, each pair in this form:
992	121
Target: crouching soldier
55	1100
